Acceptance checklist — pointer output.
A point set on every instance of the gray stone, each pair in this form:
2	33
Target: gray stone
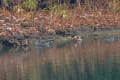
18	35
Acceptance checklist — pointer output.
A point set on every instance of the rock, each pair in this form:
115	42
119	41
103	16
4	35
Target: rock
51	31
18	35
6	43
2	21
60	32
25	42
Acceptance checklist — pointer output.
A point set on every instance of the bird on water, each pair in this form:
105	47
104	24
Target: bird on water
77	38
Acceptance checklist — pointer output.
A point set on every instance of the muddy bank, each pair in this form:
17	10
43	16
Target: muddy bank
46	42
60	37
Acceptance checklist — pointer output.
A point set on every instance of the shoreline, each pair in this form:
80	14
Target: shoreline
19	29
45	40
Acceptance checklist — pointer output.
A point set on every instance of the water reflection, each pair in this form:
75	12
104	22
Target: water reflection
94	60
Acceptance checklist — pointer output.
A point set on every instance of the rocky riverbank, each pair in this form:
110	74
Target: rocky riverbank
60	37
46	28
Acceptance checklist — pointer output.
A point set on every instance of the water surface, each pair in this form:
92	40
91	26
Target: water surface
87	60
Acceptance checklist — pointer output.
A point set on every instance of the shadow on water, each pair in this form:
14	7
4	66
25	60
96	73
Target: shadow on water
87	60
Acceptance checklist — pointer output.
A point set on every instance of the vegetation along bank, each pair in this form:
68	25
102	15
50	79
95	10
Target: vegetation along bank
22	21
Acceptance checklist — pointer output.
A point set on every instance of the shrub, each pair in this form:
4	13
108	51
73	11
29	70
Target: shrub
8	4
59	10
117	6
29	5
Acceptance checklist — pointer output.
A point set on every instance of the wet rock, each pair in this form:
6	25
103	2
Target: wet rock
60	32
16	39
6	43
18	35
25	42
14	42
66	32
51	31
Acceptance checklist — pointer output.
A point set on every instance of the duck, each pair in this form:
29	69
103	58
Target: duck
111	39
42	43
76	38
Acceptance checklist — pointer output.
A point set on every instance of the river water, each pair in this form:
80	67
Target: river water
86	60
